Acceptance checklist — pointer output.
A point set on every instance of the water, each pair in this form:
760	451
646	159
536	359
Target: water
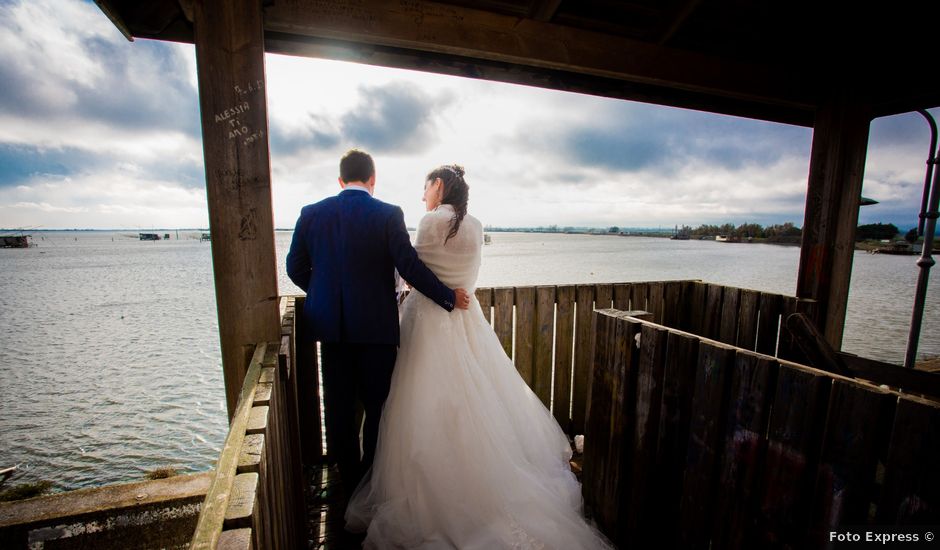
110	363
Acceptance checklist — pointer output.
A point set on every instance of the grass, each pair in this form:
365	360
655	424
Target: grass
25	490
162	473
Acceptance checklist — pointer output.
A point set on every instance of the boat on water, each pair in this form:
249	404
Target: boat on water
205	237
149	236
16	241
486	238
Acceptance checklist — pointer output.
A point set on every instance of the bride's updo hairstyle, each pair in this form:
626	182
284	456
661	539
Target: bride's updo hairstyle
456	192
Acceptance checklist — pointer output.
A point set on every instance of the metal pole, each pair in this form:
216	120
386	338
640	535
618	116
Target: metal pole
926	261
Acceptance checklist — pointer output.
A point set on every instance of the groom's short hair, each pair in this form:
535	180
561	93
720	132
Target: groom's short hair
356	165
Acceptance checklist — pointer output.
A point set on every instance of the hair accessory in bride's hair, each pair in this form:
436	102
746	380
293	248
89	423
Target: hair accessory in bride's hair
455	169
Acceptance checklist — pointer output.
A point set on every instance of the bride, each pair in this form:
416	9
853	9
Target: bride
467	456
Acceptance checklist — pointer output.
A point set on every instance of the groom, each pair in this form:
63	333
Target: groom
344	254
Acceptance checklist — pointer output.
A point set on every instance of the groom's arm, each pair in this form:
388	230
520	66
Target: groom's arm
298	258
411	268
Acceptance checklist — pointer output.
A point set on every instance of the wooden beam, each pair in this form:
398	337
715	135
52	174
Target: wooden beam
230	62
687	9
479	35
543	10
837	165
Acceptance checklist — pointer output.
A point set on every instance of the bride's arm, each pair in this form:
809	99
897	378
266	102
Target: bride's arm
411	268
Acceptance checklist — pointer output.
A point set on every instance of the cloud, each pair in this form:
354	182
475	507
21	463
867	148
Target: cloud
398	117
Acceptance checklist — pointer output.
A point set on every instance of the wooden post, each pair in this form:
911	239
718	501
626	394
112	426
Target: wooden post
837	164
230	59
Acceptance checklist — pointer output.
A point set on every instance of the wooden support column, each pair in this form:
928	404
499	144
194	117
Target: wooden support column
229	40
837	164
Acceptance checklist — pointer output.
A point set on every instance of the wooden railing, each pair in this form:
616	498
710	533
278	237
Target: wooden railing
547	329
693	443
256	496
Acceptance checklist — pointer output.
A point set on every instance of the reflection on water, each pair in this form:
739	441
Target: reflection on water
110	362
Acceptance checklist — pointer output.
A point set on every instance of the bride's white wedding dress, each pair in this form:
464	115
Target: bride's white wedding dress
468	457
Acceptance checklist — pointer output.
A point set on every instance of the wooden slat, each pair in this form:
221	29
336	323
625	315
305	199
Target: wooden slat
582	355
768	323
244	502
728	324
544	337
613	384
485	297
564	339
257	420
745	444
911	493
694	306
747	319
502	317
672	295
711	316
603	296
673	436
638	296
249	458
235	539
800	401
525	332
715	363
212	516
655	303
857	431
596	428
786	345
646	415
622	296
307	388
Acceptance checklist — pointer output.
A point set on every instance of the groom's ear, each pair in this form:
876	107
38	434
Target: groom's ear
342	184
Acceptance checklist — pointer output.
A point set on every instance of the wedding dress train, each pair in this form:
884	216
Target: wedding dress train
468	457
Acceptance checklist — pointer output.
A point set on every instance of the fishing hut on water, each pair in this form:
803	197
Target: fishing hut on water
735	422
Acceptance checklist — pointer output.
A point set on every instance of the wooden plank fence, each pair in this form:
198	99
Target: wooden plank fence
255	499
547	330
695	443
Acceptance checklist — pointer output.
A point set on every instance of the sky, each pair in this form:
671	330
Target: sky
99	132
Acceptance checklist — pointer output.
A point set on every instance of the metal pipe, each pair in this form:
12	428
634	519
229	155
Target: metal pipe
931	159
926	260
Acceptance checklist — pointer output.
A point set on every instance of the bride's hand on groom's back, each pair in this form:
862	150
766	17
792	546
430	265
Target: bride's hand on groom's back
462	298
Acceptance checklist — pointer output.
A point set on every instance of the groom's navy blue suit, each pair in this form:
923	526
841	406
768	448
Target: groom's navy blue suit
343	255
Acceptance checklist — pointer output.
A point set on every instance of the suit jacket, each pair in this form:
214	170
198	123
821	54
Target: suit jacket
344	254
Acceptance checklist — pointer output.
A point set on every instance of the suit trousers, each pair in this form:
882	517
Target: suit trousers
352	371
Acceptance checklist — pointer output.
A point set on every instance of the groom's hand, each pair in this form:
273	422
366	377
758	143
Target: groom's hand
462	297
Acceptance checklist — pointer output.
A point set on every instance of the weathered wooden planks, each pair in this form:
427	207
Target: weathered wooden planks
672	307
768	323
857	427
564	341
796	427
582	355
525	332
672	438
715	363
655	303
622	293
728	324
747	319
744	446
646	422
608	432
544	337
911	490
503	316
485	298
711	315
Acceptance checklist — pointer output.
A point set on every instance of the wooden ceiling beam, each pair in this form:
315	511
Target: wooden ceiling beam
687	9
544	10
479	35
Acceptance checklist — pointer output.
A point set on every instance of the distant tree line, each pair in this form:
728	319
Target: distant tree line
876	232
744	231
